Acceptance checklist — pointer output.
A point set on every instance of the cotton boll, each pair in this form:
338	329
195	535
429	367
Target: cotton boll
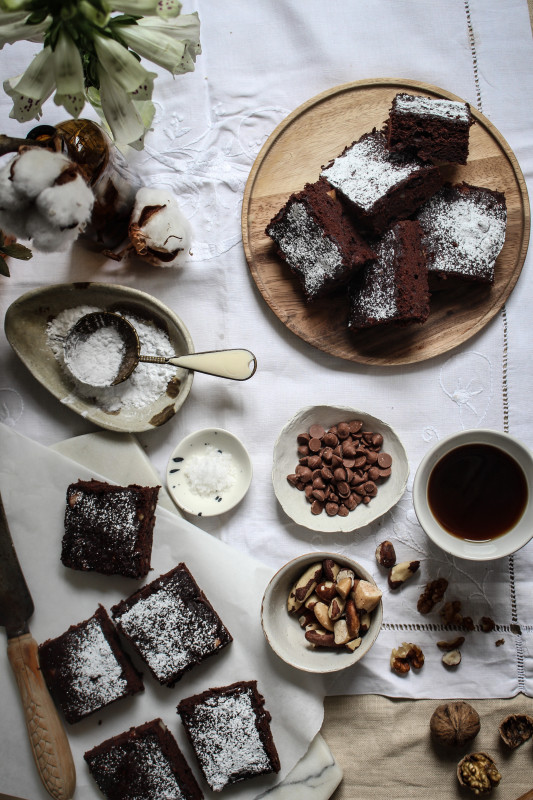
46	237
10	198
158	230
67	204
36	169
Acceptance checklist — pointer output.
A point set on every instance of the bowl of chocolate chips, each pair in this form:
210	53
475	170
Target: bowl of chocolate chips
337	468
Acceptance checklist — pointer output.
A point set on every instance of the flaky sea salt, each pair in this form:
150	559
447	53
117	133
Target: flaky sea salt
209	472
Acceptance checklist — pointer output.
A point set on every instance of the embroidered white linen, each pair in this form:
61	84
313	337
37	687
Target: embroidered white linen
259	62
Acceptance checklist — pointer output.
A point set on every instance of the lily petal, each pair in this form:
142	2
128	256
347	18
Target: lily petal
140	7
68	69
125	69
30	90
173	45
168	8
119	110
13	28
162	50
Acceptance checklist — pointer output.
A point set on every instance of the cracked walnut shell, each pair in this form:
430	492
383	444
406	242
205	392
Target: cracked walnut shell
454	724
516	729
478	773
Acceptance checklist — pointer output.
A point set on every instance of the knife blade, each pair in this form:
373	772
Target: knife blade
50	747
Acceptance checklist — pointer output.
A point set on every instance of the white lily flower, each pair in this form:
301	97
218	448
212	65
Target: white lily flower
119	110
13	27
124	68
173	44
68	71
32	88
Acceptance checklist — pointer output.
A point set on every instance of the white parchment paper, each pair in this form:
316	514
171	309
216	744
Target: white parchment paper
33	482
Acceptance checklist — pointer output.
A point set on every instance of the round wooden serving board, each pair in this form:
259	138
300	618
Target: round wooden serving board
293	155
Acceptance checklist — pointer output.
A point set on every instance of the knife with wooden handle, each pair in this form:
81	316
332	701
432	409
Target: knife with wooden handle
48	739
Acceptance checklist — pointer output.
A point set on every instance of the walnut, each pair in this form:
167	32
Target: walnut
516	729
478	773
454	724
406	656
487	624
451	613
432	594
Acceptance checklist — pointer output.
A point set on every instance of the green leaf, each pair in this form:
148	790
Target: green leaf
37	17
4	269
17	251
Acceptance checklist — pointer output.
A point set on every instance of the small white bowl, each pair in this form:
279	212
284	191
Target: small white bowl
200	443
294	502
502	545
283	631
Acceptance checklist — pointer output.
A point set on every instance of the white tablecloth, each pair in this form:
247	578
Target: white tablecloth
259	62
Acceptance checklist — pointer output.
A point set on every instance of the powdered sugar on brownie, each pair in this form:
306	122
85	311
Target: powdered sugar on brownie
306	249
117	513
464	231
377	298
172	624
158	780
428	106
169	632
367	171
96	675
226	739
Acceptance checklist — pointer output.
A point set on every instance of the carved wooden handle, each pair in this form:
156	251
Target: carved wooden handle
49	742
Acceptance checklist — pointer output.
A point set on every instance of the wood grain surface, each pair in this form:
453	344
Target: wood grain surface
309	138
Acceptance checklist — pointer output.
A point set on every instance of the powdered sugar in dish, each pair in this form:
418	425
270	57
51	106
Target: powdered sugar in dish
96	358
366	171
146	383
431	107
209	472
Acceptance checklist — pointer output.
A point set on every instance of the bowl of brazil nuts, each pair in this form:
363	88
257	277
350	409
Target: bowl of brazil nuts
337	468
321	612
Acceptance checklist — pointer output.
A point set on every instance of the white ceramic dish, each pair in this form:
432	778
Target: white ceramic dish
26	323
284	633
198	444
474	550
295	504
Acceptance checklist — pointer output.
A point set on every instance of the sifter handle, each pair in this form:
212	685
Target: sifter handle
48	739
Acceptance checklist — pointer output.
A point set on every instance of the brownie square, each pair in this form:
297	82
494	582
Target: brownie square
463	231
229	730
143	762
86	669
316	238
395	287
430	128
109	529
171	624
380	187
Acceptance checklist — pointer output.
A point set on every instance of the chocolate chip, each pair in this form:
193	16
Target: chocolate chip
315	445
343	430
384	460
316	431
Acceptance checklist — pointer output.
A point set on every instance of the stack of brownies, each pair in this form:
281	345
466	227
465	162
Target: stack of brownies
380	221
